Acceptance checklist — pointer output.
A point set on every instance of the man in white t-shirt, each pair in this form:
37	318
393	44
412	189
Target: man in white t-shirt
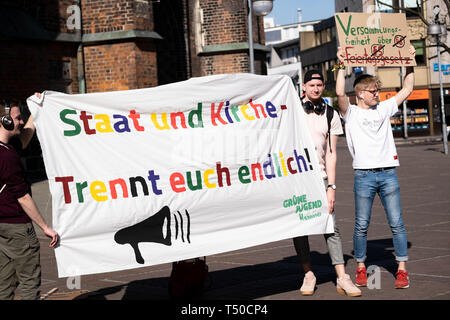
316	118
371	144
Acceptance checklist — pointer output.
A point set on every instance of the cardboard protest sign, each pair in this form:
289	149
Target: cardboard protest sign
194	168
374	39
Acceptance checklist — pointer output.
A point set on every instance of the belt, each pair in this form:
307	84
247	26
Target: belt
377	169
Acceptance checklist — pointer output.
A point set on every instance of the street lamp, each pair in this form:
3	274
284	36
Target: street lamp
405	109
437	31
261	8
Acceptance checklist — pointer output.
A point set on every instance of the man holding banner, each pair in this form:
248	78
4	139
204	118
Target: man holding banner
19	246
205	166
371	144
325	136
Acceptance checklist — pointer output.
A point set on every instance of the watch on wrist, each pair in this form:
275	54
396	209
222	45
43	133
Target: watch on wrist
332	186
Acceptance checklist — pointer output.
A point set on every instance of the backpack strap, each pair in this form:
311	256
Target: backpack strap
330	114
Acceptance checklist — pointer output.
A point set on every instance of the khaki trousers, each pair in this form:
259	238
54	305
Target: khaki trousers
20	269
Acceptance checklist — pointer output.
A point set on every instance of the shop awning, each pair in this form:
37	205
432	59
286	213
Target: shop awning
422	94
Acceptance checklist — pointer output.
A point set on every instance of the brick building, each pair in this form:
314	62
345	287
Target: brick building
83	46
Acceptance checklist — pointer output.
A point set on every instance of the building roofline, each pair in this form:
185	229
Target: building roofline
294	24
284	43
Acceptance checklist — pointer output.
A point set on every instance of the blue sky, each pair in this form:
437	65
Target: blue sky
285	11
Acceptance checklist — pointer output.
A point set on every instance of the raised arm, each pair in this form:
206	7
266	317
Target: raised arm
27	132
29	129
408	81
340	85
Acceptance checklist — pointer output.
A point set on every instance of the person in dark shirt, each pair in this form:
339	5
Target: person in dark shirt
19	246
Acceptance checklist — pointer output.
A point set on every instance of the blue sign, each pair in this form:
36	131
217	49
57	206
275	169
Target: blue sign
445	68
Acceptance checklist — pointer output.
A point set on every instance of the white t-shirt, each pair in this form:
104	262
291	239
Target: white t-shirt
318	128
369	135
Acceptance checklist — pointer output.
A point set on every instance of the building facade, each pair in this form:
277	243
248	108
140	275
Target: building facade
433	68
89	46
94	46
284	42
318	50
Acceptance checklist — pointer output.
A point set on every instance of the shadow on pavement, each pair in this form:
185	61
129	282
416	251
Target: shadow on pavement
256	281
439	150
247	282
381	253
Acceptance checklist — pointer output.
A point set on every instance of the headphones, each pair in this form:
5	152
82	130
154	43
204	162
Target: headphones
309	106
7	121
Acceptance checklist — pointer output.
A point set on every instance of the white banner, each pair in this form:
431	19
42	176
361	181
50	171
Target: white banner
194	168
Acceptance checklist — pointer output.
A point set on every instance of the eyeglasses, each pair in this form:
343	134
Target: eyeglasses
373	91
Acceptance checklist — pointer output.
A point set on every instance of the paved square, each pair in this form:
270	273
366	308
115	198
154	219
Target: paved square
272	271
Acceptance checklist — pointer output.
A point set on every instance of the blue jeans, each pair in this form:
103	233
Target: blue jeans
366	185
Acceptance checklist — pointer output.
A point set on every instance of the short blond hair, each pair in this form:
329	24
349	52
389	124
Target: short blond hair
364	81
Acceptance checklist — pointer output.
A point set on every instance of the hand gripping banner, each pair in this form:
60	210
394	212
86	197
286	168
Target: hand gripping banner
194	168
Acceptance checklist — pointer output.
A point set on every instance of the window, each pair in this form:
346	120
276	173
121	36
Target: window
386	8
274	35
318	42
323	36
59	70
410	4
415	5
420	52
325	69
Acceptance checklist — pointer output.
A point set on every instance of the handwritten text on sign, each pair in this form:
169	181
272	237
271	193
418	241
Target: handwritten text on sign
378	39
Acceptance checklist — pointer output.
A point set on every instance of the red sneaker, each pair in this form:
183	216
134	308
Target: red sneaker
361	277
402	281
